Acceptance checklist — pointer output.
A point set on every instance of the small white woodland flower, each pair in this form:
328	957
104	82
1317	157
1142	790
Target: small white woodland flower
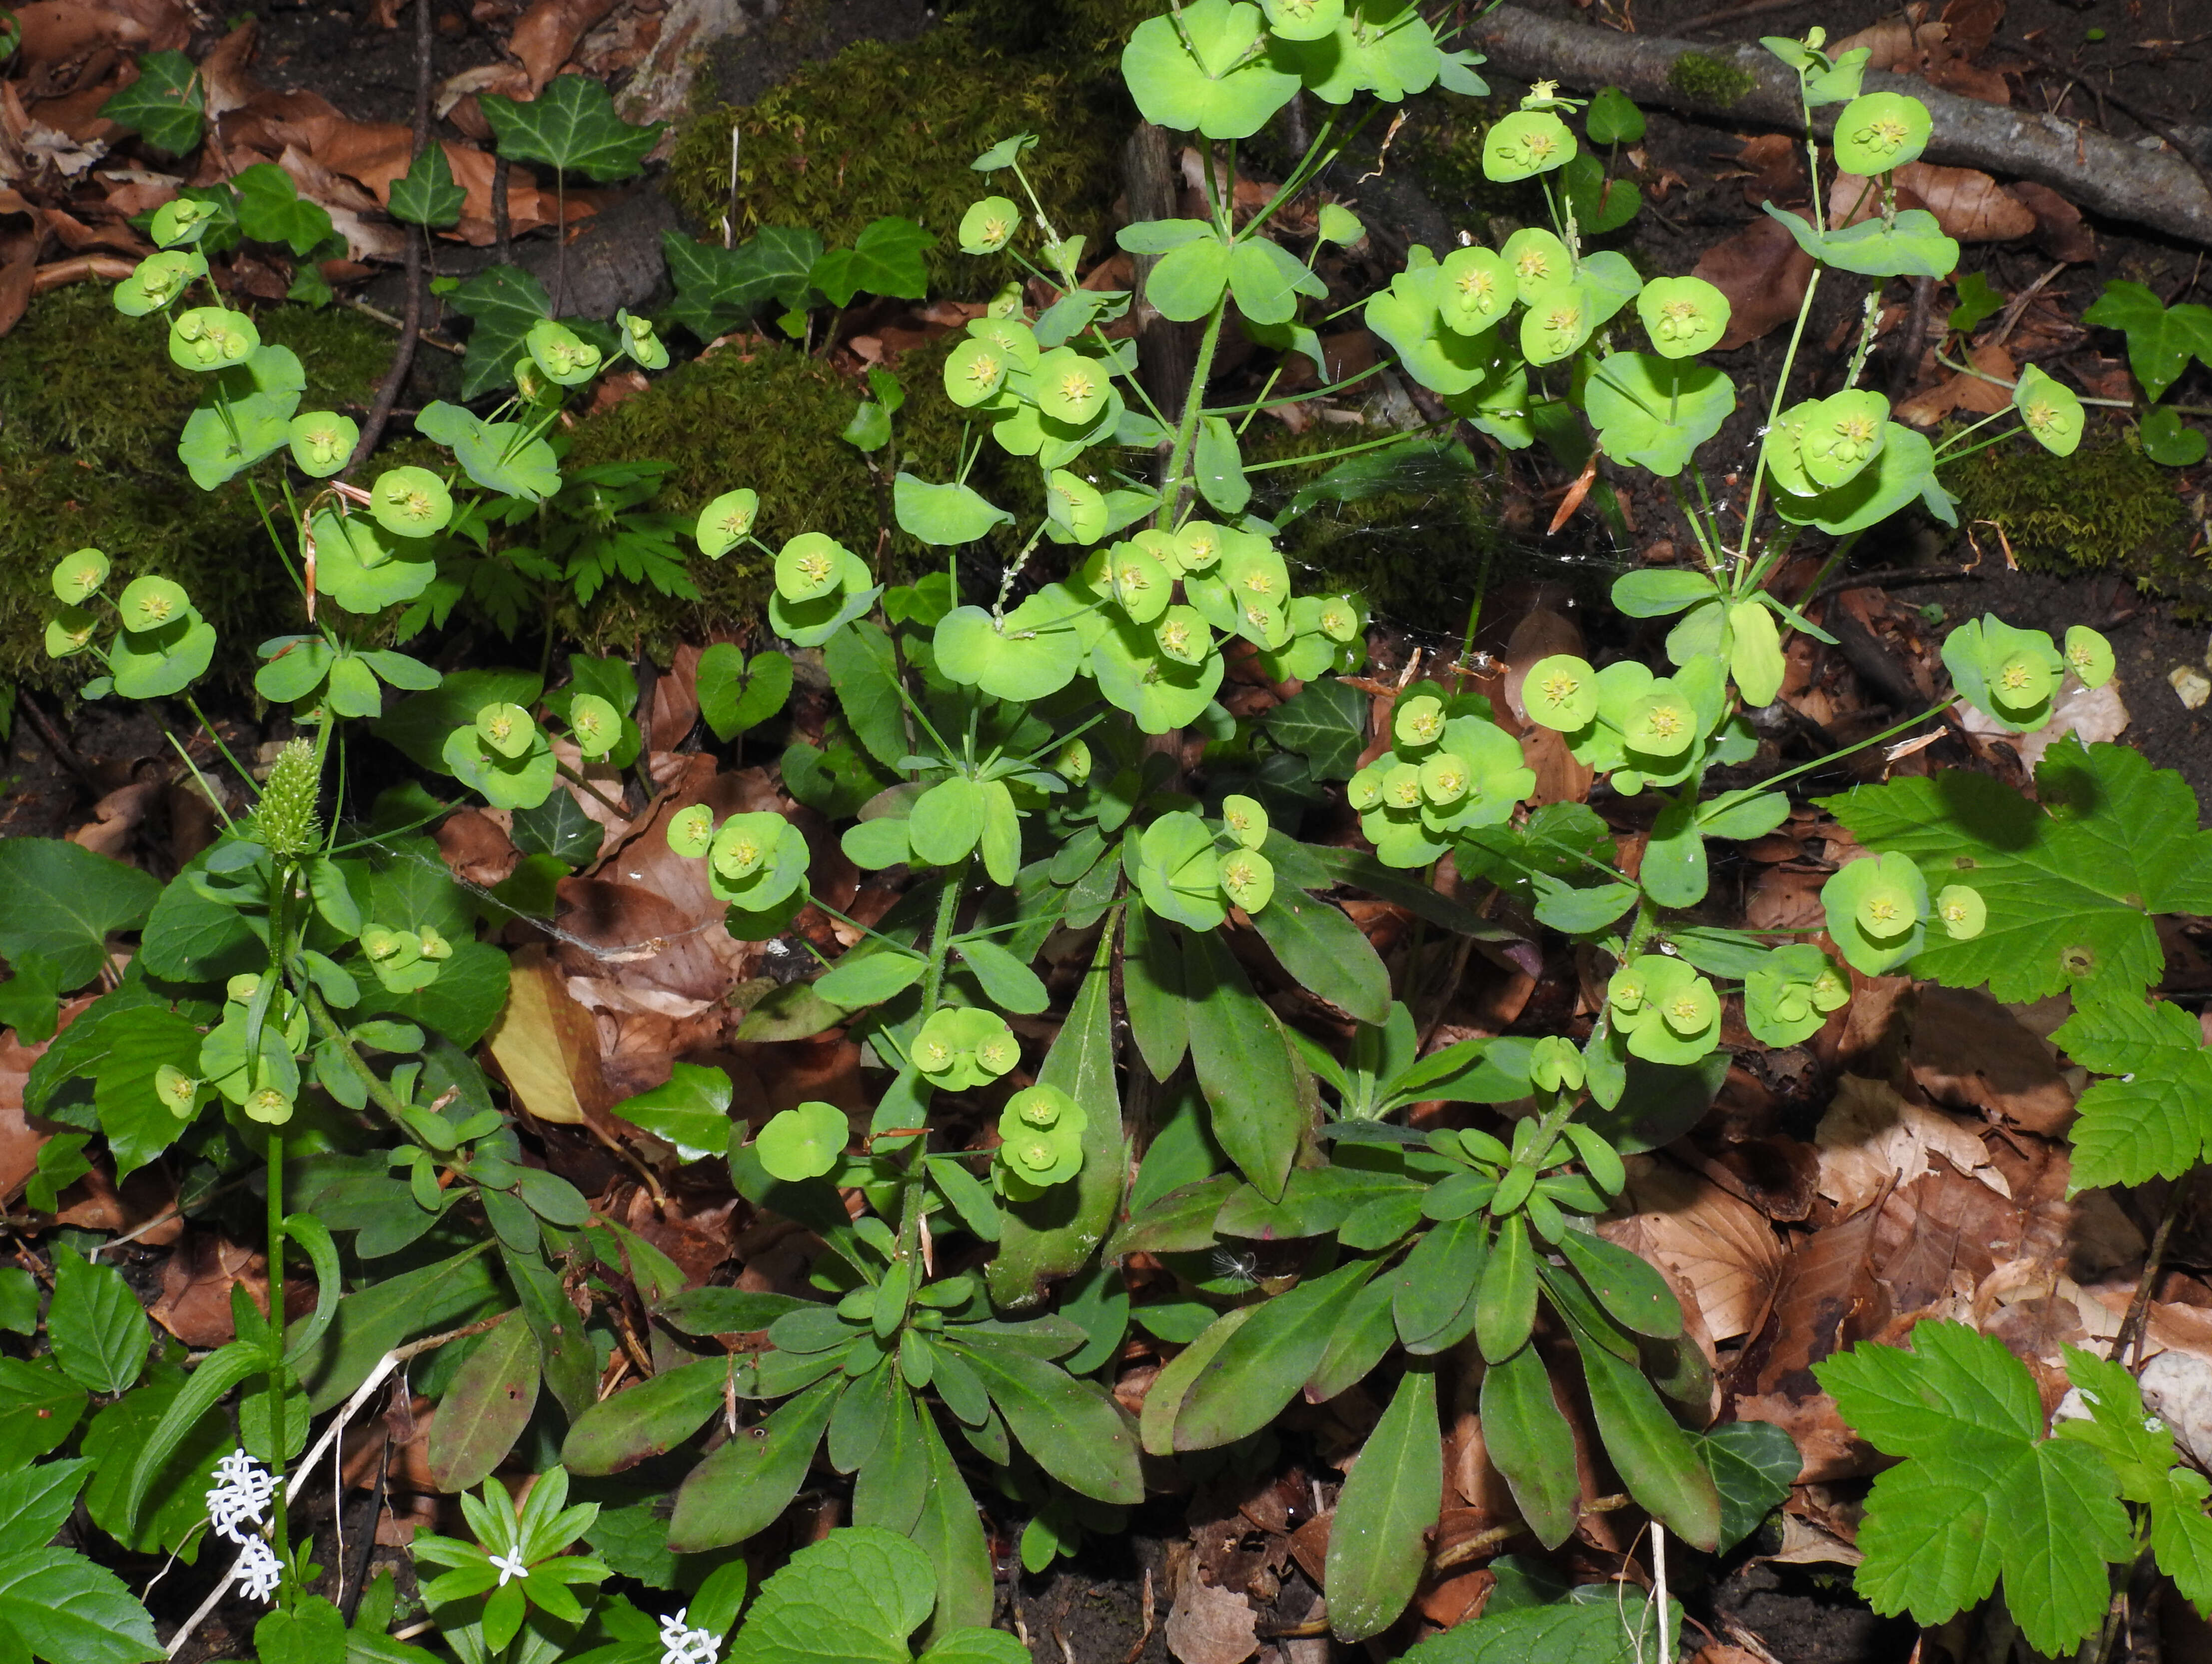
680	1645
259	1570
240	1496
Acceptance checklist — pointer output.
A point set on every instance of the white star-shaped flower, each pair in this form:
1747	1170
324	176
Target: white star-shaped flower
682	1644
240	1496
510	1566
259	1570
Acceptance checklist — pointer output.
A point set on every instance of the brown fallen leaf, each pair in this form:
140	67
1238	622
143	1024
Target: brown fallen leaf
1872	1140
1964	392
2060	231
1720	1248
1208	1625
1969	1051
194	1304
547	33
546	1046
1905	44
1774	169
1967	204
1763	274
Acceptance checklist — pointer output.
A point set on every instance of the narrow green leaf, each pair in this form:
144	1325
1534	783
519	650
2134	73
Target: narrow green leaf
1243	1063
1328	954
1529	1439
486	1408
1377	1546
741	1488
1263	1364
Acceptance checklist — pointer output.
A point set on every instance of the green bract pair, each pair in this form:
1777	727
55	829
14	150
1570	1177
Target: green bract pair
2013	675
756	862
1667	1012
1450	770
1039	1141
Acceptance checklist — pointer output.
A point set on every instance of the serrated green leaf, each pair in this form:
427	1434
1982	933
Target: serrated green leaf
2156	1117
1598	1631
56	1605
855	1595
99	1330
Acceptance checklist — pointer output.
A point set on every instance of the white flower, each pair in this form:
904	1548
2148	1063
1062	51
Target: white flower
240	1496
681	1644
259	1572
510	1566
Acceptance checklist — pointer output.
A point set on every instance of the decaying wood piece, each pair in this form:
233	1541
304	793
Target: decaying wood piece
2095	171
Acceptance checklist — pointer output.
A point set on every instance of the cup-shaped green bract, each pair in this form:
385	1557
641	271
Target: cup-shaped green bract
1182	636
322	442
727	522
1418	721
1206	70
1877	911
1526	143
410	502
1682	315
1259	586
158	280
965	1046
1247	879
1961	911
596	725
639	339
1661	723
1244	819
2088	655
1781	451
2049	409
176	1091
1401	786
1139	585
78	577
1556	1065
1446	778
1669	1013
1364	790
691	831
1474	289
1843	433
974	371
1560	691
1041	1136
1302	19
989	224
565	356
507	728
268	1105
182	220
1199	544
804	1143
1075	506
811	564
1557	323
1878	132
1069	386
69	632
743	844
212	338
150	603
1341	619
1537	261
2023	678
1785	998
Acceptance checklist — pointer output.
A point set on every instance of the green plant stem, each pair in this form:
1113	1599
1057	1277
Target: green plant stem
1773	780
591	791
1178	468
1781	392
278	1373
200	717
940	936
1398	438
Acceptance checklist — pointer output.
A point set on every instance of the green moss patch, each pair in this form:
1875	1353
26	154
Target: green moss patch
1708	80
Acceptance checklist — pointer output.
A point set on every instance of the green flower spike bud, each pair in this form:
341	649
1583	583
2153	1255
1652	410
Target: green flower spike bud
241	989
2051	410
1536	261
1245	819
69	632
1364	790
182	220
1418	720
159	279
1525	142
1402	786
150	603
1878	132
1661	724
1963	911
1446	780
646	349
507	729
565	356
1474	289
989	224
212	338
974	371
1073	762
727	522
1843	433
268	1105
285	820
691	831
1556	1065
1555	324
322	442
744	843
78	577
1069	387
2023	679
180	1094
1183	636
410	502
1199	544
2088	655
596	725
1247	879
1561	692
810	564
1682	315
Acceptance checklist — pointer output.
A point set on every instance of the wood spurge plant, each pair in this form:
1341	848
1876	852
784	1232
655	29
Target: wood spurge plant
1111	1014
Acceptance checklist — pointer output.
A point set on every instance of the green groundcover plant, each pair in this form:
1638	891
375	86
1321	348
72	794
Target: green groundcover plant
297	1021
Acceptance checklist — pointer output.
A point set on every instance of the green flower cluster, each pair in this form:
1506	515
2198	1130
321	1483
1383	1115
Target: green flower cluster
1450	769
1039	1142
756	862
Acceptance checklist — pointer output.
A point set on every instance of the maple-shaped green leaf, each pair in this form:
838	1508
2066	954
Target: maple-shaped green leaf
2161	339
426	194
1981	1494
571	125
164	106
2156	1118
2139	1448
885	259
504	301
2070	884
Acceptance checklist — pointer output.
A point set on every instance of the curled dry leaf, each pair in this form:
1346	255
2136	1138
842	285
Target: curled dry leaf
546	1045
1967	204
1904	44
1763	274
194	1304
1872	1141
547	33
2059	229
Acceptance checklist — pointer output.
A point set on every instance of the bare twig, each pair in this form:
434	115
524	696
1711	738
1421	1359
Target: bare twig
2135	113
2133	1325
410	331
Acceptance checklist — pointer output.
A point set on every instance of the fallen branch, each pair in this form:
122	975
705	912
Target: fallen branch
108	268
2094	170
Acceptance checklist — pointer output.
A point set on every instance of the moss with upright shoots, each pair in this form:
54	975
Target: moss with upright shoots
1707	80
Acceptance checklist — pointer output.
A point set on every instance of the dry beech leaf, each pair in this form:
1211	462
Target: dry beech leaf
1763	274
546	1046
547	33
1872	1140
1969	205
194	1304
1970	1053
1964	392
2059	230
1717	1246
1898	43
1209	1625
